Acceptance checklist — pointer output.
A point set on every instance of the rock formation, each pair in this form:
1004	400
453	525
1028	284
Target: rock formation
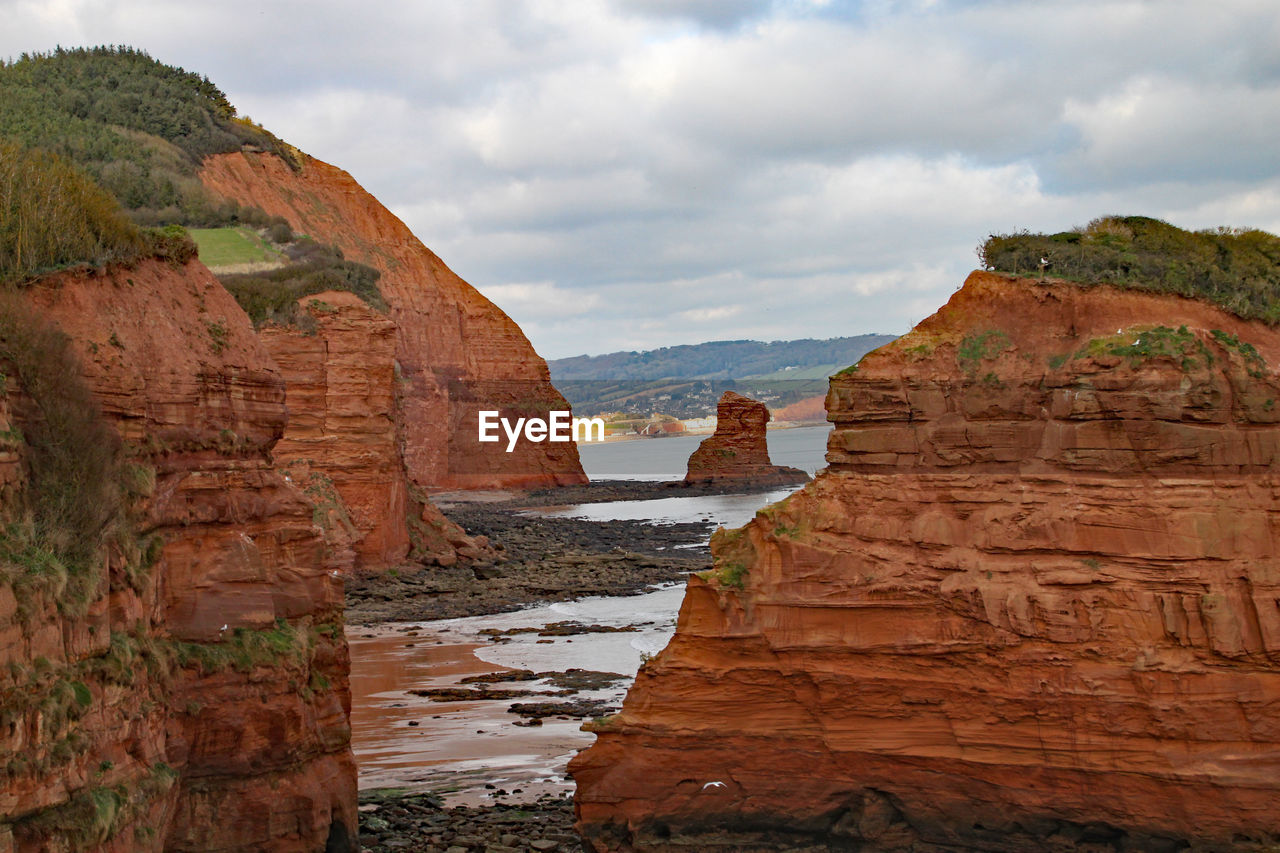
341	444
738	451
456	352
189	692
1031	604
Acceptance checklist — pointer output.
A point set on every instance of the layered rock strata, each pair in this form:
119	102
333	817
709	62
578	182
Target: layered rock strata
456	352
196	698
341	442
1033	604
739	449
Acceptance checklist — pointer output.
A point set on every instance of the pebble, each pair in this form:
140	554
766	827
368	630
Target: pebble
420	822
561	558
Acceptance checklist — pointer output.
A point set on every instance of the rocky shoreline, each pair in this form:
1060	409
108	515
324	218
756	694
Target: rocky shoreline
540	560
392	821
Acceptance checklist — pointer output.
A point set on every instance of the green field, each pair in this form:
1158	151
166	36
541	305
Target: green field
220	247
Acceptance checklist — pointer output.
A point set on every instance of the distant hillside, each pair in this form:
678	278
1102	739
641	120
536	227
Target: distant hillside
686	381
803	359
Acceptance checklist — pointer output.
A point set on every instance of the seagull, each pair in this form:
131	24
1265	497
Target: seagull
714	785
223	628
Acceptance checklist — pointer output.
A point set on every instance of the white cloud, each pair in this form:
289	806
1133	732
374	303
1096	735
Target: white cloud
537	299
639	173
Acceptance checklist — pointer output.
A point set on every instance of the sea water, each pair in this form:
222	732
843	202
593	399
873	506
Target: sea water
667	458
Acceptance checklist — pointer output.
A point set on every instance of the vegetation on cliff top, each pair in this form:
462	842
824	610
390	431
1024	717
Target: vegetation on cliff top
52	216
222	247
1236	269
138	127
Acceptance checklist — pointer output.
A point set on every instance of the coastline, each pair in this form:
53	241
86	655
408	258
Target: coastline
417	798
771	426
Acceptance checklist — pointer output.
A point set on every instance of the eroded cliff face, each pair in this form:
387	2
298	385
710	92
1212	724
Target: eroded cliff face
341	442
1031	605
197	698
739	449
457	352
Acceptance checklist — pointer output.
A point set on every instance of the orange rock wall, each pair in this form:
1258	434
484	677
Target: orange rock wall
341	434
1033	604
341	444
216	682
457	352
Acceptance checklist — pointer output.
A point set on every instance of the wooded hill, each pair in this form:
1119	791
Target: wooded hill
802	359
96	142
686	381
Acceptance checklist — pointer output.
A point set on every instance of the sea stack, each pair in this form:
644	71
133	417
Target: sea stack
738	451
1030	605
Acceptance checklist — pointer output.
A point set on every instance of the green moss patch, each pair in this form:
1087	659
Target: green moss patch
1140	345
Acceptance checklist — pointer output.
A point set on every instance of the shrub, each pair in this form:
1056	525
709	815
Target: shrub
171	243
53	216
73	457
280	232
272	296
1236	269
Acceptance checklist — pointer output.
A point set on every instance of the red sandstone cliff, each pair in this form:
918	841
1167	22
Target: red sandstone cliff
1031	604
739	449
456	352
341	442
200	702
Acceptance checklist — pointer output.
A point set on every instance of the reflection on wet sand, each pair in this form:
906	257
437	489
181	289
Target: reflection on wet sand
406	741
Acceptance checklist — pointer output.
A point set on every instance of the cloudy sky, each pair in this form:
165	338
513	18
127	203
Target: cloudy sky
628	174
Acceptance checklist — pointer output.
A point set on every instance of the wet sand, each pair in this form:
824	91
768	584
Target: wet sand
455	748
478	752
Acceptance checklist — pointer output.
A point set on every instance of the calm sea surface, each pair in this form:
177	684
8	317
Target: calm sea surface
667	458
